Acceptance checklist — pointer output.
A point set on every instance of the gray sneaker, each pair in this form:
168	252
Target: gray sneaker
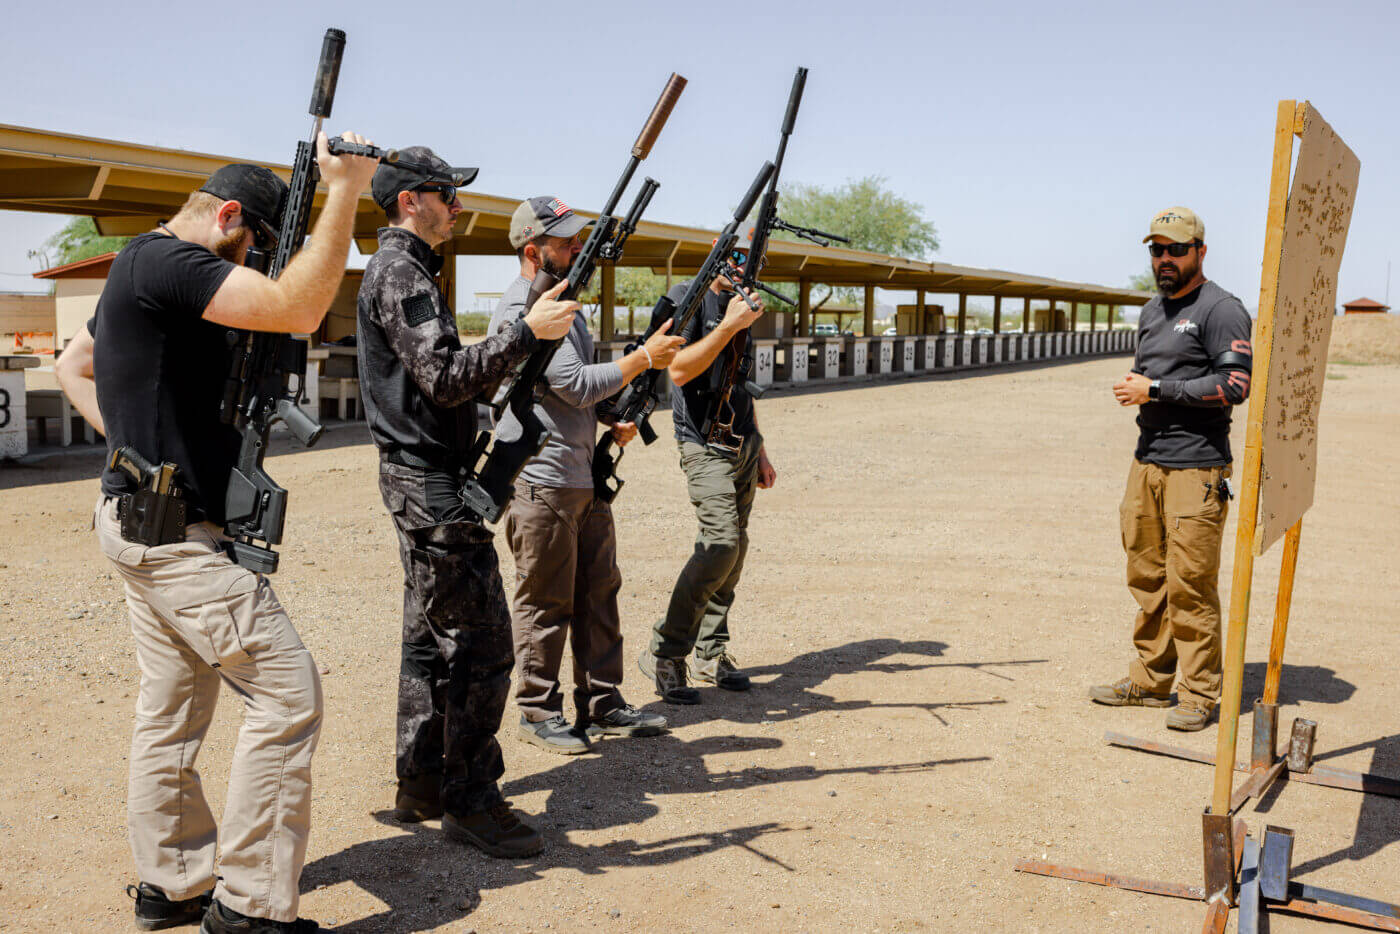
555	734
627	721
721	671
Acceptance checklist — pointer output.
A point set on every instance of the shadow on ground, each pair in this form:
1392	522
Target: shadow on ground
1297	683
427	881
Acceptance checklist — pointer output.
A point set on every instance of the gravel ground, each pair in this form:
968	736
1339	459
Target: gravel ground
932	585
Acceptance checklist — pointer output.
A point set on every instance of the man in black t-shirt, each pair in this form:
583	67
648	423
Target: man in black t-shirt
1193	364
148	371
721	486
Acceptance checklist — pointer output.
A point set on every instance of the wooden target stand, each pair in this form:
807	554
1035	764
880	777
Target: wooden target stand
1241	871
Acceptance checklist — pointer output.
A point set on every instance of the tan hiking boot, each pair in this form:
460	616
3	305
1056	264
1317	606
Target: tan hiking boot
721	671
1127	694
1189	716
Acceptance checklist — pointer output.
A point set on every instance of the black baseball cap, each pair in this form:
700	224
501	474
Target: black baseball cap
423	167
261	193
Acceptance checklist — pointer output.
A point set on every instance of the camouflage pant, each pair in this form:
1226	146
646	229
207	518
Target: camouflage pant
455	668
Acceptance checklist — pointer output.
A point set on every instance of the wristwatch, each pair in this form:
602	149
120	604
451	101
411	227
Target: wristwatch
1154	390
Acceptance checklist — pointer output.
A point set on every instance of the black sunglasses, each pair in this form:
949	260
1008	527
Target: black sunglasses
263	237
1175	249
448	192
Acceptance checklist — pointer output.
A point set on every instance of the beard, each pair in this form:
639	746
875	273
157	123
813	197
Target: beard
229	247
549	266
1172	274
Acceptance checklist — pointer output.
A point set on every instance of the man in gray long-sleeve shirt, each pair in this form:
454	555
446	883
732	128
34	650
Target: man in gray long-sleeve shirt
561	534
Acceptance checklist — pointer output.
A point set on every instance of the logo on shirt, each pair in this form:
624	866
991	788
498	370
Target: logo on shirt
1184	326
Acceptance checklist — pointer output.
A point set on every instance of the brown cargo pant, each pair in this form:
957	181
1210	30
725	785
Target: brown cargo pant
566	584
1172	520
198	618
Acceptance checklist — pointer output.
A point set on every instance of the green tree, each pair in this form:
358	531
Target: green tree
77	240
867	213
1143	281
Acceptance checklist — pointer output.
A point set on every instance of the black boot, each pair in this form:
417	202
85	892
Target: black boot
220	919
155	912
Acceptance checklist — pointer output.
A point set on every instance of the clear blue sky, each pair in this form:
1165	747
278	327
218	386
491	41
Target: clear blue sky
1038	136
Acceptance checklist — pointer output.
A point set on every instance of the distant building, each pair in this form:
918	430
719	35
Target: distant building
76	289
1365	306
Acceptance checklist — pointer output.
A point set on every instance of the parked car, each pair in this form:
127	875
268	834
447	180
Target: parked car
891	332
824	330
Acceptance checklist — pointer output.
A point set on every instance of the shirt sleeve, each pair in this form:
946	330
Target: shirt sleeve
1225	338
181	275
423	332
578	383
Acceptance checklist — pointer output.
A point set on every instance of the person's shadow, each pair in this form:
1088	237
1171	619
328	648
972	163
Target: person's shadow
427	881
793	690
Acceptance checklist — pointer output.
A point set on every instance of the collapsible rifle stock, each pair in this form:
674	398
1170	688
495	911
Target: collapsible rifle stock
638	400
718	429
492	482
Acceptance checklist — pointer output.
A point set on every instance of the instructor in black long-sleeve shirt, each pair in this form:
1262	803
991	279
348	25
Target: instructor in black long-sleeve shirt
1193	364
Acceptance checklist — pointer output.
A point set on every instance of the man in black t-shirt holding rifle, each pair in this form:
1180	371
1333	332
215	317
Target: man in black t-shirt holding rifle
1193	364
149	372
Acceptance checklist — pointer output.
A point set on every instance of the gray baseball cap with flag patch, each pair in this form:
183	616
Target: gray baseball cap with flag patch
545	216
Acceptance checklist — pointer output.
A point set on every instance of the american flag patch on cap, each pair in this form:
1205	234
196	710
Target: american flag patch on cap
558	207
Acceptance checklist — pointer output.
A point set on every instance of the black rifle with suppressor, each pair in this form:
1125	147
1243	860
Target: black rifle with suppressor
258	391
718	429
491	485
638	400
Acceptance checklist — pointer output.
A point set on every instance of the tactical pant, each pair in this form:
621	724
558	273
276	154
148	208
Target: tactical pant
1172	520
454	674
566	583
198	618
722	491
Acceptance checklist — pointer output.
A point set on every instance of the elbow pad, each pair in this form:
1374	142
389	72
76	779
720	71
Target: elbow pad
1233	360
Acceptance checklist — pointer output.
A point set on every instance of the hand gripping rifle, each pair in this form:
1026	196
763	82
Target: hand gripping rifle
638	400
489	489
719	423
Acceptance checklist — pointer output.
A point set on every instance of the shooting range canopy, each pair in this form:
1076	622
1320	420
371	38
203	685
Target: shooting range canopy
128	187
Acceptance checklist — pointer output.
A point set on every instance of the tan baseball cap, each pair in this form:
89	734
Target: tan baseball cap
1178	224
543	216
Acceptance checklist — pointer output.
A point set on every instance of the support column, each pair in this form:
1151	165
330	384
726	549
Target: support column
447	275
1051	319
920	316
607	298
962	312
1026	316
869	310
804	308
1093	318
996	314
1074	316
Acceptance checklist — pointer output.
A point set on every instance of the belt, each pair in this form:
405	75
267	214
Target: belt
402	458
193	514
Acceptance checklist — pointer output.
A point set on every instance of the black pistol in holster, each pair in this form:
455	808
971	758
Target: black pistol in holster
154	514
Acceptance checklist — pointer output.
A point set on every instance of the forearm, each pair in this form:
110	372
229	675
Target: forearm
306	288
74	371
696	358
1221	388
474	372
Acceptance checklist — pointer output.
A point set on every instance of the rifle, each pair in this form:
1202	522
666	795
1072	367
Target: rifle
488	490
719	423
638	400
257	393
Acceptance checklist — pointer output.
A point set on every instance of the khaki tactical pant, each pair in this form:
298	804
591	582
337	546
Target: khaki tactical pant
198	618
722	491
1172	520
566	583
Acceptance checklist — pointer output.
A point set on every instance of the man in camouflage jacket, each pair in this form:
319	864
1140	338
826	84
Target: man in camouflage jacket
419	386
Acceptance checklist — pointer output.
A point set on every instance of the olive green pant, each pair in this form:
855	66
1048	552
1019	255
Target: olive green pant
722	492
1172	520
